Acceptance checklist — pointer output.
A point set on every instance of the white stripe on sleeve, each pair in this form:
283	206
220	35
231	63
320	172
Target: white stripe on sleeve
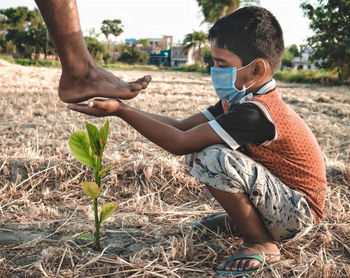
208	115
224	135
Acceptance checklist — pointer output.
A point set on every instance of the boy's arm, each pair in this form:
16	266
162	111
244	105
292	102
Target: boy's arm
183	125
163	134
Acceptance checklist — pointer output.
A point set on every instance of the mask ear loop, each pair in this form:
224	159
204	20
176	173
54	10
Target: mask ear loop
246	65
244	88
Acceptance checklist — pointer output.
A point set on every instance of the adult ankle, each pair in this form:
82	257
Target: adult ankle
78	69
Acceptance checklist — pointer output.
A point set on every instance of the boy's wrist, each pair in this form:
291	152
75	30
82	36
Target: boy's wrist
121	109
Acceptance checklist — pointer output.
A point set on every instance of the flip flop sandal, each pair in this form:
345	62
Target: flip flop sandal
220	228
243	273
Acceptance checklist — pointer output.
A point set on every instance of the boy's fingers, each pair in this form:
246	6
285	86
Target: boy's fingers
79	107
98	103
85	109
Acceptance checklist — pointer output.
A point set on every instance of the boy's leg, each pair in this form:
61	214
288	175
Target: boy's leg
81	78
256	240
248	191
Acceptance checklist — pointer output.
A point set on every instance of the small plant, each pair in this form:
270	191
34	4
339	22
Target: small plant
88	149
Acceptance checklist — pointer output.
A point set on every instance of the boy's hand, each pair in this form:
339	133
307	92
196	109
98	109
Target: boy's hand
99	107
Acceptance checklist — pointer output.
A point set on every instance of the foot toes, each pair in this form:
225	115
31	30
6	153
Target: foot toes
222	266
135	87
231	266
239	265
253	264
146	78
144	85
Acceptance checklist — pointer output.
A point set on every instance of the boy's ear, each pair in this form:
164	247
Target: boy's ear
260	67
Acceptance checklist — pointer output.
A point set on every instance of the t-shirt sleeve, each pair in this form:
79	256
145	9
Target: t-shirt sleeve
213	111
244	123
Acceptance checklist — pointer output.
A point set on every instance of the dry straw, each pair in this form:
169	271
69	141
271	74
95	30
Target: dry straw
43	209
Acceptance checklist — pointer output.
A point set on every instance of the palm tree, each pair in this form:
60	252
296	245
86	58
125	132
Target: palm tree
213	10
111	27
196	39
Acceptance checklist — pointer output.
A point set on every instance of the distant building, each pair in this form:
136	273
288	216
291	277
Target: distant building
155	44
303	61
160	59
180	56
131	42
162	52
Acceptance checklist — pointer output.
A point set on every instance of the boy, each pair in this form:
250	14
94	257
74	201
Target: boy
255	154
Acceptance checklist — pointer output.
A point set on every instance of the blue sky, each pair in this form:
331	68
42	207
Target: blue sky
154	18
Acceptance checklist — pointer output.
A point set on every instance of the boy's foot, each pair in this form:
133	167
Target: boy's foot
97	82
248	258
219	223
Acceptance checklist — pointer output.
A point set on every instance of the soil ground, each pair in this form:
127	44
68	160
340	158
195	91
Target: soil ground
43	208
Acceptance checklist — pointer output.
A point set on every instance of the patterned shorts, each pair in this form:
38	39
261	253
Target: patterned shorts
284	211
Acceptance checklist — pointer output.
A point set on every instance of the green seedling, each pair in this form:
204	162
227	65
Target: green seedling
88	149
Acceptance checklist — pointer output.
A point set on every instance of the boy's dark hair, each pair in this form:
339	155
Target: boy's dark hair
250	32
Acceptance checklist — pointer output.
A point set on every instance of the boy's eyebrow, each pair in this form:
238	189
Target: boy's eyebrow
218	59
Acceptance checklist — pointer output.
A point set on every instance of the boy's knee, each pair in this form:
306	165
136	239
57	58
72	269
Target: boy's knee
210	167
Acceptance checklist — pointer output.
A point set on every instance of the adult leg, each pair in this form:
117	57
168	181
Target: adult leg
81	78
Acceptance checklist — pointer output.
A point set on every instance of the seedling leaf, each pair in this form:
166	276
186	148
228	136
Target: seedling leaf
105	170
94	136
86	236
79	145
91	189
104	134
107	210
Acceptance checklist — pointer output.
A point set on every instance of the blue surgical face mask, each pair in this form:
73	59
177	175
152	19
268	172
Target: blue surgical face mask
224	83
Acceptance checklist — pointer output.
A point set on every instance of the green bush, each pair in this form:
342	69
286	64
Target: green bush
95	48
8	58
107	57
37	62
320	76
192	68
123	66
133	55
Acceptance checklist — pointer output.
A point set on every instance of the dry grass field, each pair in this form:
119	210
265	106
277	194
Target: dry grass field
43	209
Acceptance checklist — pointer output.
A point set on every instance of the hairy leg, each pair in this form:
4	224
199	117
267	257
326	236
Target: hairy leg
81	78
256	240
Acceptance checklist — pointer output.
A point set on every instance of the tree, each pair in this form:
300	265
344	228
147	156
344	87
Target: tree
24	31
331	40
293	49
213	10
145	42
196	39
95	47
15	18
111	27
207	59
289	54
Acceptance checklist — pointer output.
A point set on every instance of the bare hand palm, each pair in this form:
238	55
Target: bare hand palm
98	107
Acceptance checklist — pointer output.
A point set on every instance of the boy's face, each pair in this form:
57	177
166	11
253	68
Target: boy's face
224	58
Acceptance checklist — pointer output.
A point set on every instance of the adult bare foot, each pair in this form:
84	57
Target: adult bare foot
97	82
239	262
